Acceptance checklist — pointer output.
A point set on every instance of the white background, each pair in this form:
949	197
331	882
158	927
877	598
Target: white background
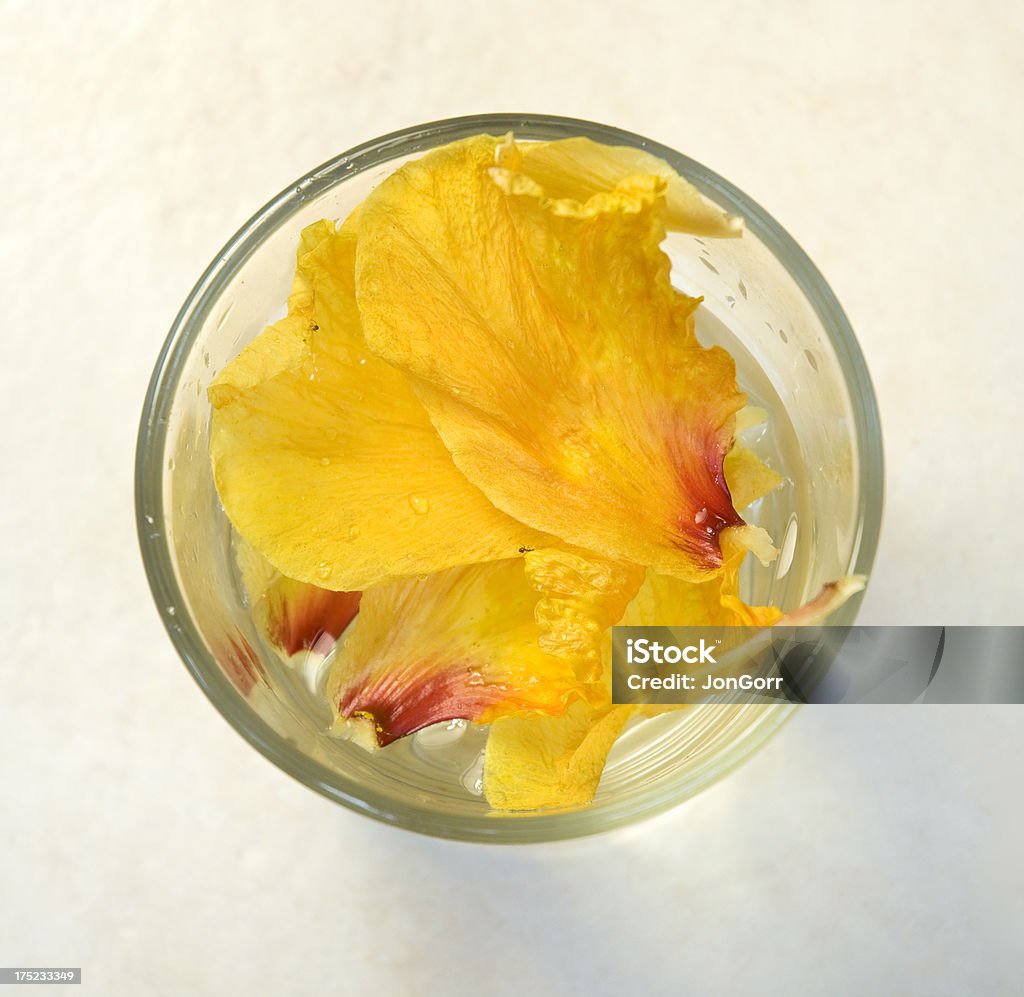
865	850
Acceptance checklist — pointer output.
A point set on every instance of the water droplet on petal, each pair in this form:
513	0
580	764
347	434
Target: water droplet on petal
353	532
323	569
420	505
325	461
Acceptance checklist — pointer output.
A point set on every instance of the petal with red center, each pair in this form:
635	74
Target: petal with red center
292	616
518	636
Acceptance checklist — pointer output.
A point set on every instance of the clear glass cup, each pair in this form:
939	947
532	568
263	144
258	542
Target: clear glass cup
797	357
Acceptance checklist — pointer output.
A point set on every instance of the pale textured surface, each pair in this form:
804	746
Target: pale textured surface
863	851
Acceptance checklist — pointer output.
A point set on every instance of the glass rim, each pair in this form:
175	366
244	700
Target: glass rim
152	441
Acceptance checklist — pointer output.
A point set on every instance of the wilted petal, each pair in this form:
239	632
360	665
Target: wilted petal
578	168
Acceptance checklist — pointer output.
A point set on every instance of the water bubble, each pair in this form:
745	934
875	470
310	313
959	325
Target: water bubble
811	359
788	549
473	778
171	610
742	289
700	517
708	264
353	532
362	360
420	505
323	569
730	301
325	461
149	519
441	735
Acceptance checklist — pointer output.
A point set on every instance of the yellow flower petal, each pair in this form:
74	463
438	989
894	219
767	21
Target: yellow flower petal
749	477
667	601
581	596
281	347
578	168
300	299
716	601
533	763
324	459
557	362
